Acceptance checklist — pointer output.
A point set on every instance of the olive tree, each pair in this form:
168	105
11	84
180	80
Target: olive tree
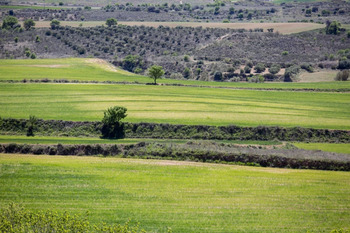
155	72
112	125
28	24
111	22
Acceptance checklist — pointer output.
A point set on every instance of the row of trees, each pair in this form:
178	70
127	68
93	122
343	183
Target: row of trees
11	22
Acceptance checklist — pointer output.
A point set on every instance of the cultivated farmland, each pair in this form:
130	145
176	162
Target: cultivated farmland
188	197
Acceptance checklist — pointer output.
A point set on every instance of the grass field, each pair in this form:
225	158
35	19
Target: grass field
91	69
330	147
78	140
283	28
176	105
186	196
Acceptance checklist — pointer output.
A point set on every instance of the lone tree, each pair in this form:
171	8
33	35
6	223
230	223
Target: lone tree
112	125
9	22
333	27
155	72
28	24
111	22
55	24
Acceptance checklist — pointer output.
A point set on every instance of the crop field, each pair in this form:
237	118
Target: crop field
185	196
177	105
283	28
91	69
330	147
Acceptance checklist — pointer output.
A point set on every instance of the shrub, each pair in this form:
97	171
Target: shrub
217	76
28	24
291	72
342	75
260	67
333	27
285	53
33	56
37	39
112	127
31	125
186	58
344	64
111	22
247	69
274	69
307	67
9	22
16	39
55	24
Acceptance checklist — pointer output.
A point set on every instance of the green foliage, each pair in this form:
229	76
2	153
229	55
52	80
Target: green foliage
111	22
37	39
187	72
274	69
155	72
333	27
9	22
186	58
131	62
291	73
285	53
33	56
28	24
112	125
31	125
308	67
342	75
259	68
16	39
344	64
55	24
15	218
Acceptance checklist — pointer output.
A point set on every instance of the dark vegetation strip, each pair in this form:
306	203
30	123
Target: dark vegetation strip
201	151
45	80
168	131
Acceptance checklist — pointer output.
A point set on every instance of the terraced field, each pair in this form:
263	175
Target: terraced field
186	196
177	105
98	70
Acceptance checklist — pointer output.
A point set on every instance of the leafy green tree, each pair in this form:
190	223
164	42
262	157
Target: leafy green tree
155	72
31	125
55	24
260	67
9	22
112	125
28	24
333	27
131	62
111	22
274	69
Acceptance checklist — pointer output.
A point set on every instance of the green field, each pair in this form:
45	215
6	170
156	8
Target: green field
98	70
176	105
330	147
78	140
186	196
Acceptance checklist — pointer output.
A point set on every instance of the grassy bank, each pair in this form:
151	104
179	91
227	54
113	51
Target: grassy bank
188	197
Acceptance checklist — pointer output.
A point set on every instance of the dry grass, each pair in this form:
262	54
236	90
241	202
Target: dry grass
284	28
319	76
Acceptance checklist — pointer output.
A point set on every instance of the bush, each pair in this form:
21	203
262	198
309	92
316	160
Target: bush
307	67
28	24
111	22
342	75
344	64
112	127
33	56
259	68
285	53
291	72
9	22
333	28
55	24
31	125
274	69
